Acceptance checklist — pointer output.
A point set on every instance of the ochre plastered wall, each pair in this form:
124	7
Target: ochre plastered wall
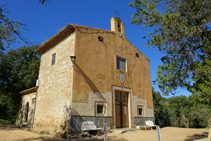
89	108
95	67
22	111
142	103
55	86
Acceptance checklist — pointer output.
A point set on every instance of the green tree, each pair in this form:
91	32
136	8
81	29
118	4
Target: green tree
181	30
18	71
161	111
179	106
200	116
181	111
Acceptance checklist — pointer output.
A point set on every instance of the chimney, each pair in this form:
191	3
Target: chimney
117	26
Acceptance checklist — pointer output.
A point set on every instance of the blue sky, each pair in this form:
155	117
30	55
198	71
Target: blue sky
44	21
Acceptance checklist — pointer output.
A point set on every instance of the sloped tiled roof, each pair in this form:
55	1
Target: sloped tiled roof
55	39
28	91
62	34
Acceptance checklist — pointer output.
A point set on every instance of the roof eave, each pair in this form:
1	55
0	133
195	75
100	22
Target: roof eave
55	39
28	91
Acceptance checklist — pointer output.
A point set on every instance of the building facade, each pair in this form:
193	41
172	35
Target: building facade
108	82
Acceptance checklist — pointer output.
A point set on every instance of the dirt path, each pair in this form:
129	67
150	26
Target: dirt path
167	134
11	133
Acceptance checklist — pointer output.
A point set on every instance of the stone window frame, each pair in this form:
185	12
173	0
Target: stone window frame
125	68
104	108
143	111
54	59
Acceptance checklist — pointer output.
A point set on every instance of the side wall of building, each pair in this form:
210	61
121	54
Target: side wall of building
55	87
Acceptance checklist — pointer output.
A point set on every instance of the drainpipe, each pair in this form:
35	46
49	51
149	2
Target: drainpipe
34	104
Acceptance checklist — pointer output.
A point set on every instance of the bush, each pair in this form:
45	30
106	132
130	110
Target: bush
4	121
44	132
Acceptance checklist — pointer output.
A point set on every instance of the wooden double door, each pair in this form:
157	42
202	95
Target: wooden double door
121	109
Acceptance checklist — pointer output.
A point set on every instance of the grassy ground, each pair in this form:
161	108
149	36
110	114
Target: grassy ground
4	121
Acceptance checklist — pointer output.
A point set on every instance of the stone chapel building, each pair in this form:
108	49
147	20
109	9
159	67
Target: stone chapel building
89	74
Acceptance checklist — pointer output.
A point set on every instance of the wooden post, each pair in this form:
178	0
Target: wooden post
105	131
158	132
209	136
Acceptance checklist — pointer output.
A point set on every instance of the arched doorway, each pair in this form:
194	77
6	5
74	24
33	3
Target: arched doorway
26	112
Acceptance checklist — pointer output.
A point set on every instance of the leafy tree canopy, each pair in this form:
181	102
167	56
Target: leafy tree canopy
18	71
181	30
181	111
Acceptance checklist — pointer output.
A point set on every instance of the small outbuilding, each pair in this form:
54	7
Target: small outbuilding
27	106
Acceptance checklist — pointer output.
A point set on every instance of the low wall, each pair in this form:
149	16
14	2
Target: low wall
141	120
76	122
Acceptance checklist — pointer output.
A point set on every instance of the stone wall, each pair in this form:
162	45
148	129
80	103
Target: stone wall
22	110
55	87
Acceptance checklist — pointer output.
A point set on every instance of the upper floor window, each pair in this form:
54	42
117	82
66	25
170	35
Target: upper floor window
53	59
121	63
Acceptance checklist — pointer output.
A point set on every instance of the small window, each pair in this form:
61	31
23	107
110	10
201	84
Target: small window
140	111
121	64
53	59
99	109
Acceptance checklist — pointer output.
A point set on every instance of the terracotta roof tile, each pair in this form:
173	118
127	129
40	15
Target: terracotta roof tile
55	39
28	91
62	34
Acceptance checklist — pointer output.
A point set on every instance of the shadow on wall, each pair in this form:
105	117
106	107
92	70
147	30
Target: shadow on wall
71	125
21	115
197	136
73	121
90	83
24	114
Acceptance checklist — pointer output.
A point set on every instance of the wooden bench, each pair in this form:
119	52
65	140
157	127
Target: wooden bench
89	126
